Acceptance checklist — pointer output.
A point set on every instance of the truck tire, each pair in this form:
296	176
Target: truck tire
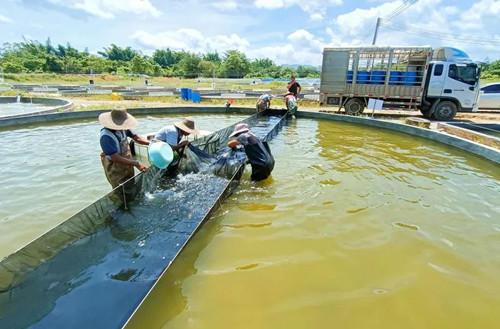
354	106
444	111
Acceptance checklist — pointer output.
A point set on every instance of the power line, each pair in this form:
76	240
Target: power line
443	36
405	5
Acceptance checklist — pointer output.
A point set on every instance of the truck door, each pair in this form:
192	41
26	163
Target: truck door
436	81
334	71
462	84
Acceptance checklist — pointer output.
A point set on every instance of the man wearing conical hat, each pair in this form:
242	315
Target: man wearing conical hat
173	134
116	157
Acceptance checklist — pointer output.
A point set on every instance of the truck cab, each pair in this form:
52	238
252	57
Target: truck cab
451	84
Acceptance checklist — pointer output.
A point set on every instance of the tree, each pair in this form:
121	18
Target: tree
143	65
188	67
235	65
207	68
212	57
53	64
165	58
33	56
116	53
12	67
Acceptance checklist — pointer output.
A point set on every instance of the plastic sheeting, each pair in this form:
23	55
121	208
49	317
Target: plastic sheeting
94	269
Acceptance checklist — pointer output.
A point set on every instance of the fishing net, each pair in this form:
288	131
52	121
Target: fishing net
94	269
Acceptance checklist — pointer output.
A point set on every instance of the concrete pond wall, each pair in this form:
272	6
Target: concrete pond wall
461	143
52	104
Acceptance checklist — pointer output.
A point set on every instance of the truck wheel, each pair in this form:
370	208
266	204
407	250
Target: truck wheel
354	106
445	111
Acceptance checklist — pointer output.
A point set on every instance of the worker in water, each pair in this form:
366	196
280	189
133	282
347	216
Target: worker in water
258	152
116	157
294	87
263	103
173	134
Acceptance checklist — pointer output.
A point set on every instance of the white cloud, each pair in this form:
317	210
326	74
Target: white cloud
226	5
360	21
5	19
190	40
427	22
480	15
315	8
303	39
109	8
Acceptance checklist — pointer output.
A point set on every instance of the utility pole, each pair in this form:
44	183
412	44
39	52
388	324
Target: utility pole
379	20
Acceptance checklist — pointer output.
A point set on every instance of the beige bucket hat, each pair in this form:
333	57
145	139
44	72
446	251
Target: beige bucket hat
117	120
186	125
239	129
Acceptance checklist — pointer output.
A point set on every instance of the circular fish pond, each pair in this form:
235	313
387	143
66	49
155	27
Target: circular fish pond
20	106
357	228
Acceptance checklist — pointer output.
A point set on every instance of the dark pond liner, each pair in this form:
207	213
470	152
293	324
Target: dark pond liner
93	270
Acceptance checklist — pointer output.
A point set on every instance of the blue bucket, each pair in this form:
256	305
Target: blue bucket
378	77
349	77
395	77
409	78
160	154
363	77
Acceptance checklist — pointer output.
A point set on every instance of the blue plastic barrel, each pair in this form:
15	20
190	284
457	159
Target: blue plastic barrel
363	77
378	77
189	94
395	77
349	76
196	97
184	94
409	78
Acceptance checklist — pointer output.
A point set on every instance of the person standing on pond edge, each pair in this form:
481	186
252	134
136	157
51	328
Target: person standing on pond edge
258	152
116	157
294	87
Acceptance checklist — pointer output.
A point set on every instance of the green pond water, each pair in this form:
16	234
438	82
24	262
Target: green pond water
358	228
8	109
51	172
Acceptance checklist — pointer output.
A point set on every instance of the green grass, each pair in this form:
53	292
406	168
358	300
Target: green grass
133	81
489	80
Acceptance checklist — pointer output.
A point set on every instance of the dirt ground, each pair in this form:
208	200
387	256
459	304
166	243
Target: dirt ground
482	116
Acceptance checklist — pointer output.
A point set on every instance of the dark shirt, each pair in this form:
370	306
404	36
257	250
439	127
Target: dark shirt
108	144
294	88
259	155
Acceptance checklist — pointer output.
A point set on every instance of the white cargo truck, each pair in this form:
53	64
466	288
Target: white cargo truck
438	82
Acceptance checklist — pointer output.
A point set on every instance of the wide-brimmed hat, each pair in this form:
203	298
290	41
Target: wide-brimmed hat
117	120
240	128
186	125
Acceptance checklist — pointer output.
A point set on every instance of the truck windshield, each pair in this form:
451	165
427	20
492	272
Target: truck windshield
467	73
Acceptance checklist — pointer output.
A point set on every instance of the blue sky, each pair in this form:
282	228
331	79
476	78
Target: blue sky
287	31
